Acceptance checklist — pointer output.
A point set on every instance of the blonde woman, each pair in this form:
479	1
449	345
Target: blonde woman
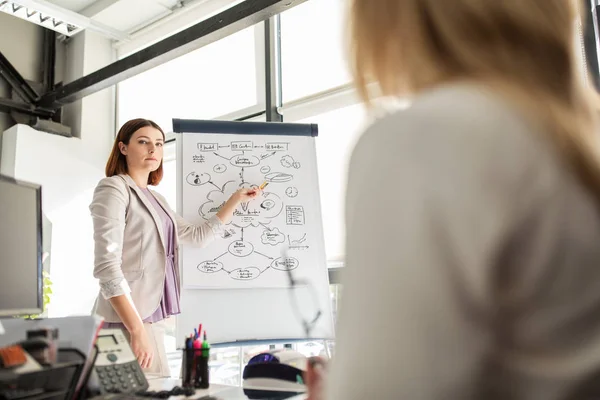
483	281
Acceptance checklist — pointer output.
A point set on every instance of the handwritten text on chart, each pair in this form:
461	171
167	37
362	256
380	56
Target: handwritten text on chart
241	146
294	215
276	146
208	146
244	146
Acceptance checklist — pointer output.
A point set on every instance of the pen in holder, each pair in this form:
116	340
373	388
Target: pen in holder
202	365
195	372
188	367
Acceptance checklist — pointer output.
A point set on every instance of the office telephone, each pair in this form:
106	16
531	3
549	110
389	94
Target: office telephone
116	369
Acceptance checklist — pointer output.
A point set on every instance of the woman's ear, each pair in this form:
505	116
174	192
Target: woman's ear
123	148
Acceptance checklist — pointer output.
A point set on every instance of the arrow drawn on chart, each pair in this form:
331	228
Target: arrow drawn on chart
212	183
268	266
262	157
224	146
224	270
242	176
270	258
242	234
220	256
218	155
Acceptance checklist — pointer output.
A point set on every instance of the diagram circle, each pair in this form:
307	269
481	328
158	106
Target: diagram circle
285	263
220	168
209	267
291	192
241	248
245	274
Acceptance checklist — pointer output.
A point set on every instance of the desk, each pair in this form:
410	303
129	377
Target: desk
221	392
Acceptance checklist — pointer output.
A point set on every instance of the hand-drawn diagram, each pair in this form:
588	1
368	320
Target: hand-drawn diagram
297	243
294	215
272	236
220	168
288	162
291	192
267	216
278	177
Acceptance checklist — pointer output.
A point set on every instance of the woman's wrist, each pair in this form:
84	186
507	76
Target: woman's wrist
235	198
137	328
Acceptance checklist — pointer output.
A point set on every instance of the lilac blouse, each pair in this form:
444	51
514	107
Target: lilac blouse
169	304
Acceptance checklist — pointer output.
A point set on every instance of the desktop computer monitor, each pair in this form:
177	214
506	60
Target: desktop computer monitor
20	248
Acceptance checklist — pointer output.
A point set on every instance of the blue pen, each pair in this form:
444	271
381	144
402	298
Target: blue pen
188	362
195	333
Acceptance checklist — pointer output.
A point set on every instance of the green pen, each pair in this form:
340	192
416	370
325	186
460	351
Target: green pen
205	347
204	369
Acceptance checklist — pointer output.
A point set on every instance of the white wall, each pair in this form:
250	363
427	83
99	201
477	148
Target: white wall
67	178
68	170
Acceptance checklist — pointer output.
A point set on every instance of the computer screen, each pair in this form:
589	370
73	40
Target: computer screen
20	248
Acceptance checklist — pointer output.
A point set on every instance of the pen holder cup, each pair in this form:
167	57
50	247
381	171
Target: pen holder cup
194	367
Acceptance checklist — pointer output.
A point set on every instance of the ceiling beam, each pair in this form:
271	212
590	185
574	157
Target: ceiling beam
234	19
192	12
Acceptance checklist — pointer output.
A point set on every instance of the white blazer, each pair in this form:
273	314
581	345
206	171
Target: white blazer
130	247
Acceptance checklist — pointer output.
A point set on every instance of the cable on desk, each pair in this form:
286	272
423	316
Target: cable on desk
165	394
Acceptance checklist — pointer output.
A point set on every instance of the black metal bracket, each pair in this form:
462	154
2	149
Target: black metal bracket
49	59
24	89
17	82
8	105
234	19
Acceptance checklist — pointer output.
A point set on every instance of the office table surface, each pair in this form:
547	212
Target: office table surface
217	392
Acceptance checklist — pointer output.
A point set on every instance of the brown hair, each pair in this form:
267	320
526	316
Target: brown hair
117	164
523	49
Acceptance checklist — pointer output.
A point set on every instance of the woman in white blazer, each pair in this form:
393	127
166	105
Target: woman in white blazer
137	238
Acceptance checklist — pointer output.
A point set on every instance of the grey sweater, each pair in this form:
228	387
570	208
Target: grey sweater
473	260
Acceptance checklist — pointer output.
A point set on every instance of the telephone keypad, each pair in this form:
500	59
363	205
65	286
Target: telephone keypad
121	377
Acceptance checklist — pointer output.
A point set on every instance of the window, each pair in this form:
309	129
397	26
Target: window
214	80
312	48
338	131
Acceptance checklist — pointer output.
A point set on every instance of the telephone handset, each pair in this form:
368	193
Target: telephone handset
116	369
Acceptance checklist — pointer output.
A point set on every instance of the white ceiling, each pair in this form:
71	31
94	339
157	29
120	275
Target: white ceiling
73	5
122	15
